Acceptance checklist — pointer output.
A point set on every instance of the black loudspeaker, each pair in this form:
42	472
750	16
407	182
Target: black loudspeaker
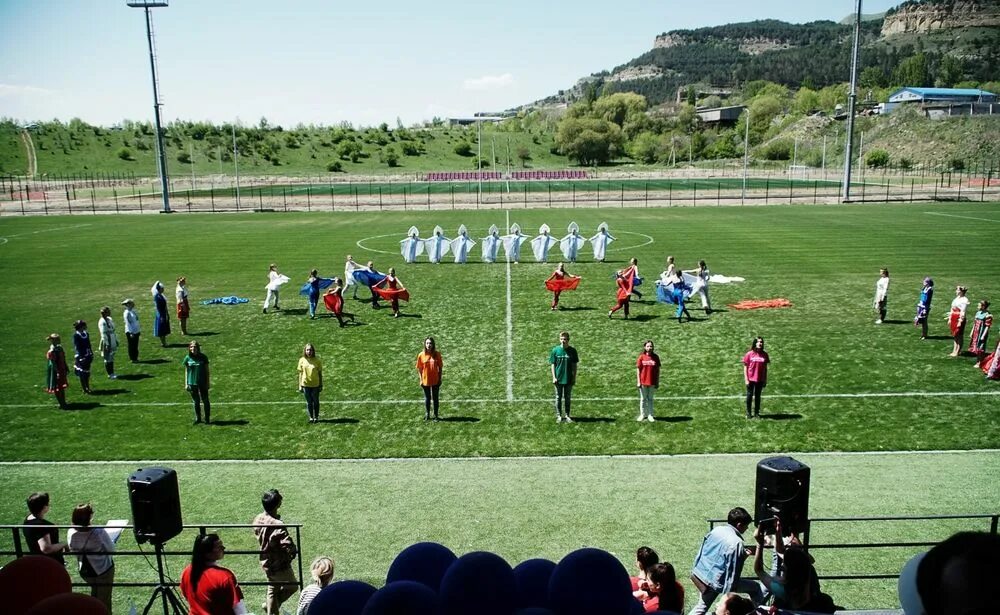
783	492
156	504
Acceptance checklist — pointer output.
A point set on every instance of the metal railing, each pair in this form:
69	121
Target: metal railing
19	549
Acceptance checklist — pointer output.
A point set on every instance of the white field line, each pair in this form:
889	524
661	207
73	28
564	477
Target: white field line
335	460
510	330
935	213
518	400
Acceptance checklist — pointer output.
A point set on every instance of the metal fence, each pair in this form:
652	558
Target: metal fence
692	187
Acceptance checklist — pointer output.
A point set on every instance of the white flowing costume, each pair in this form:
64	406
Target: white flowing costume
571	244
437	246
512	243
274	282
461	245
349	268
541	245
489	245
412	246
600	242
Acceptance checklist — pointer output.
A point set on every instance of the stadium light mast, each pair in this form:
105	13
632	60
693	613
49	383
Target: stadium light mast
161	156
845	191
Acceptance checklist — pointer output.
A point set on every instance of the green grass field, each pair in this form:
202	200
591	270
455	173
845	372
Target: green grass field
837	382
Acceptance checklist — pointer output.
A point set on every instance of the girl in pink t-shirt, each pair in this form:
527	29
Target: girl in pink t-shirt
755	374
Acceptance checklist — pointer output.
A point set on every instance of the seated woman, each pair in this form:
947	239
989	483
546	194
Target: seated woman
645	558
322	574
665	593
796	587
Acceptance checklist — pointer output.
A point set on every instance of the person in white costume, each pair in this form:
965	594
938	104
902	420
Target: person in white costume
704	274
411	247
437	246
490	244
461	245
541	245
274	282
572	242
350	266
512	243
600	242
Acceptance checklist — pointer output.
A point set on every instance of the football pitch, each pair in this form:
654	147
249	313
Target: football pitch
838	382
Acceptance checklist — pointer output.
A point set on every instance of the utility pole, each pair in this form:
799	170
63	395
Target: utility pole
845	189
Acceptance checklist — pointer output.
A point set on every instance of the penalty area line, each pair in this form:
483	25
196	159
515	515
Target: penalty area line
935	213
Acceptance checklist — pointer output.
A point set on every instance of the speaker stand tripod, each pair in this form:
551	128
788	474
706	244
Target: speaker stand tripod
171	603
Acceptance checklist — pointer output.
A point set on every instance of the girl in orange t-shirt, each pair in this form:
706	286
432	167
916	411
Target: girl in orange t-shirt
430	366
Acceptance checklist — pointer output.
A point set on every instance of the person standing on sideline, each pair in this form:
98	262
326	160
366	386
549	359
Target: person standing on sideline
956	319
277	552
92	546
183	306
981	324
563	361
274	282
881	294
647	379
197	381
924	307
56	371
430	367
310	371
208	587
755	363
161	321
719	562
83	354
131	320
109	341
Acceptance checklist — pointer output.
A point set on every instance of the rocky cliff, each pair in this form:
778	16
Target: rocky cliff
917	17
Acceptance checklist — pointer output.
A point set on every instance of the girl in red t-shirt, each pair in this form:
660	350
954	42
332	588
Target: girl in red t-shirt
755	374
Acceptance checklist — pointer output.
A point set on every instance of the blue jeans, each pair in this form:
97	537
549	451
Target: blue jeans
563	391
312	401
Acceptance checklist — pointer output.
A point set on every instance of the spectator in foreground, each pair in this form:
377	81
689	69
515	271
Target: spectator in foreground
735	604
796	586
43	539
277	552
92	546
209	588
719	562
956	577
322	573
665	593
645	558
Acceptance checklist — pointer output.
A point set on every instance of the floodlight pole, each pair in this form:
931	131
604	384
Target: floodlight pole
849	149
746	157
160	153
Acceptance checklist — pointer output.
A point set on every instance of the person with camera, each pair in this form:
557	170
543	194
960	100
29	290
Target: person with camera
277	552
719	562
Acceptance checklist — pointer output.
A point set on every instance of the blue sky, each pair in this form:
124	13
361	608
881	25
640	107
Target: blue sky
324	62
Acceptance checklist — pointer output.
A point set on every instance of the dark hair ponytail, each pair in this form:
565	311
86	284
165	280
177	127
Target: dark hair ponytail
203	545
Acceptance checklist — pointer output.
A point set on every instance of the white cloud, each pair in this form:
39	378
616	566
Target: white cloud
489	82
7	89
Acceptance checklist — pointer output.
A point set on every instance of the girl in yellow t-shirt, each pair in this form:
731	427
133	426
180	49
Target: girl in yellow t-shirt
311	381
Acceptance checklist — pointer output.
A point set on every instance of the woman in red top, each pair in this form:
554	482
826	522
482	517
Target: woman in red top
755	374
560	281
647	379
209	588
430	366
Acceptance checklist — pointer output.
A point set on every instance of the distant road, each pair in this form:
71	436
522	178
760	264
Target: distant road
29	150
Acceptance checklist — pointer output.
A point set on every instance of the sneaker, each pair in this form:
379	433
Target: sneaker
609	314
559	419
878	322
650	419
113	377
568	420
265	310
641	418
